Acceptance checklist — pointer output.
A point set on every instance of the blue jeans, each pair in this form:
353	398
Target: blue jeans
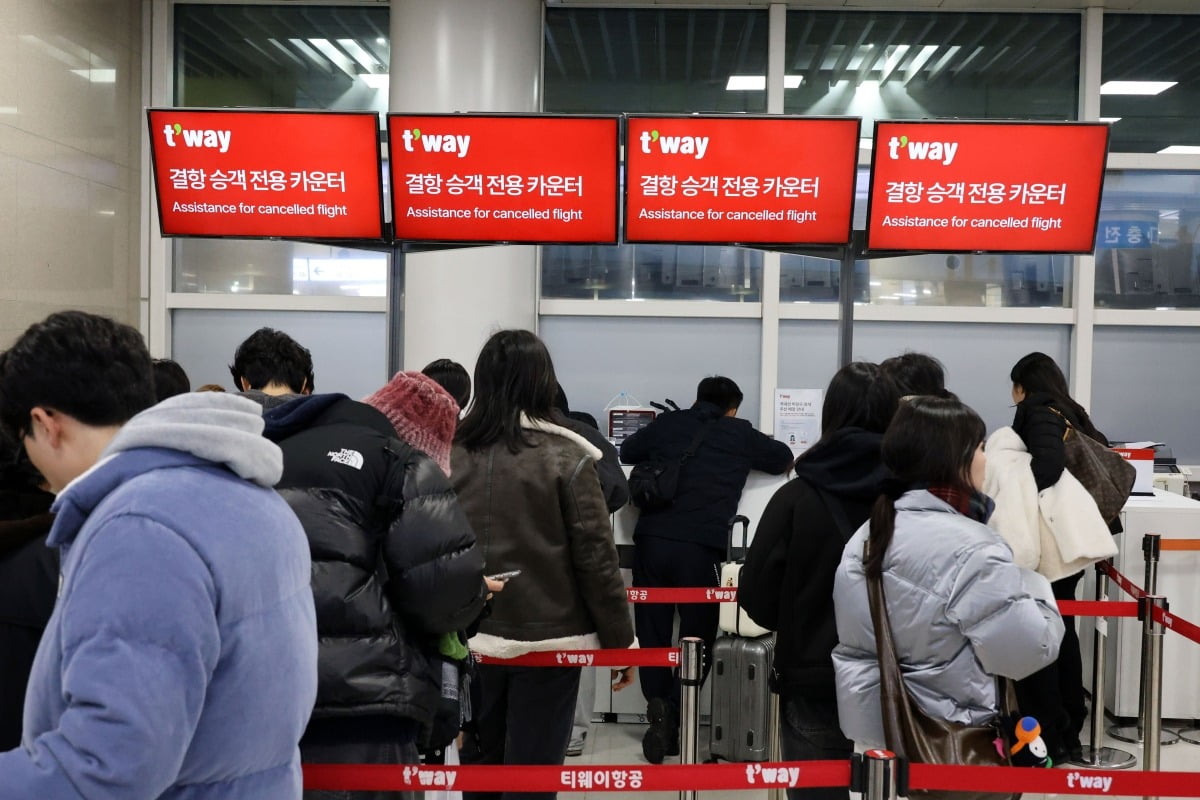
809	731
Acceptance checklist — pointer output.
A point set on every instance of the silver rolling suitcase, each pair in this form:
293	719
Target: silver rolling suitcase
741	698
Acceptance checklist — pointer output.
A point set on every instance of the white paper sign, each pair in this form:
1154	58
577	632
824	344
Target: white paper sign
798	418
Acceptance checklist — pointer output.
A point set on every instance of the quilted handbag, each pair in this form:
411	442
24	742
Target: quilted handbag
1105	473
912	734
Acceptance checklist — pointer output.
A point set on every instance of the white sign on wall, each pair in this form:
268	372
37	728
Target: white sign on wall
798	418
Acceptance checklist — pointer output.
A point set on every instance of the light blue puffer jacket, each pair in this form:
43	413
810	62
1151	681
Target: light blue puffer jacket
961	613
181	659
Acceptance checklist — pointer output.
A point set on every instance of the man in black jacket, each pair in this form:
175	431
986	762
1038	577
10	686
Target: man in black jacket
395	568
684	543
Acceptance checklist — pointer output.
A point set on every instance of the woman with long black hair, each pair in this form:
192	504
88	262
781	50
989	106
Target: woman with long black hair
531	491
961	611
787	581
1045	409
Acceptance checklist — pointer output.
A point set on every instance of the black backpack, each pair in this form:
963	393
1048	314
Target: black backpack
653	483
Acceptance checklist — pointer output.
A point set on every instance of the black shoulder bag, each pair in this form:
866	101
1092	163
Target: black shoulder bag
653	483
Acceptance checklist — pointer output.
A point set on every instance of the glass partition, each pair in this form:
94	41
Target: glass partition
1150	82
276	56
917	65
655	60
1146	254
652	272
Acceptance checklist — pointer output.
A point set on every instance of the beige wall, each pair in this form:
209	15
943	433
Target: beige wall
69	167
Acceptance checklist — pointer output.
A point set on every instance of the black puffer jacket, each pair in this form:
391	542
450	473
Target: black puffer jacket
394	559
787	582
1041	429
28	587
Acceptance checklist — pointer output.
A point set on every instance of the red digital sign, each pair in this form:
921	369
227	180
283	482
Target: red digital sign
739	180
1001	187
285	174
504	178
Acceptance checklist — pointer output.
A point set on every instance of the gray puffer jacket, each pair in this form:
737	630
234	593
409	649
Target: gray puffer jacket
961	613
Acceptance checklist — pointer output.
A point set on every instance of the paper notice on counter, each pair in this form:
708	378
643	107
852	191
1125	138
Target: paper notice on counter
798	418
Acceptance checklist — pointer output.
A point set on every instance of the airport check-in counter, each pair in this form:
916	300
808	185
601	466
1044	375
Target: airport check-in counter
759	489
1173	517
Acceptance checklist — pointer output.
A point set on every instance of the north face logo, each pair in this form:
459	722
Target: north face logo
351	458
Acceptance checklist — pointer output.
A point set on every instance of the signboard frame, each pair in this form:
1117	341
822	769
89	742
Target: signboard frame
725	242
872	252
618	141
383	238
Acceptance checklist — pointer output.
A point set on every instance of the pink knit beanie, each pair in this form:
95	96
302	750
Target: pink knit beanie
422	412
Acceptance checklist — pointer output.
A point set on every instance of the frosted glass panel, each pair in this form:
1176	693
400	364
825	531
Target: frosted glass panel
349	350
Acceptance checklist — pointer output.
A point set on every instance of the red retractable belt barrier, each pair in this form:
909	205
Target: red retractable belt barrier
727	594
733	777
1129	587
1097	608
636	657
649	778
1177	624
1056	781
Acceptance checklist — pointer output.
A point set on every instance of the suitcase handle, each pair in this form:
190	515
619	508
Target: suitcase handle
733	523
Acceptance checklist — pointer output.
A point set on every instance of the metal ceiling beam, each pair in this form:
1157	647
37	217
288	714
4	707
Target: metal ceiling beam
972	45
715	61
839	68
867	64
606	42
814	69
635	46
552	47
801	40
914	49
578	37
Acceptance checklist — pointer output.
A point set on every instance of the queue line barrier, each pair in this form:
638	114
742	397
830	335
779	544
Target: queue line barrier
854	774
728	594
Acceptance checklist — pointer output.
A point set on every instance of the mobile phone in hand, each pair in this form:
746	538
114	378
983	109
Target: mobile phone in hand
503	576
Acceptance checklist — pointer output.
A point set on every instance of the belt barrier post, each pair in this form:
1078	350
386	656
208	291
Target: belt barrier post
881	767
1151	549
1152	698
690	670
774	746
1096	755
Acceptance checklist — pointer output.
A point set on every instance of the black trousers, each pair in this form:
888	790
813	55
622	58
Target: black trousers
360	740
523	715
809	731
669	563
1054	694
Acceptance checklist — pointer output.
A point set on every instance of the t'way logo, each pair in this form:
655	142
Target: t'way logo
694	146
1103	783
772	776
198	137
436	142
922	151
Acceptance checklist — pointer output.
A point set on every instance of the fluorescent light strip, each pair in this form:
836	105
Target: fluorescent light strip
1136	87
1110	120
757	83
357	52
97	75
375	81
1181	150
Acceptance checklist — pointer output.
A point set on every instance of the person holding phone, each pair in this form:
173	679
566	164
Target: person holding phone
531	492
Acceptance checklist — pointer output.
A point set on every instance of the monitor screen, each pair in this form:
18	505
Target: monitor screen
267	173
739	180
1000	187
497	178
